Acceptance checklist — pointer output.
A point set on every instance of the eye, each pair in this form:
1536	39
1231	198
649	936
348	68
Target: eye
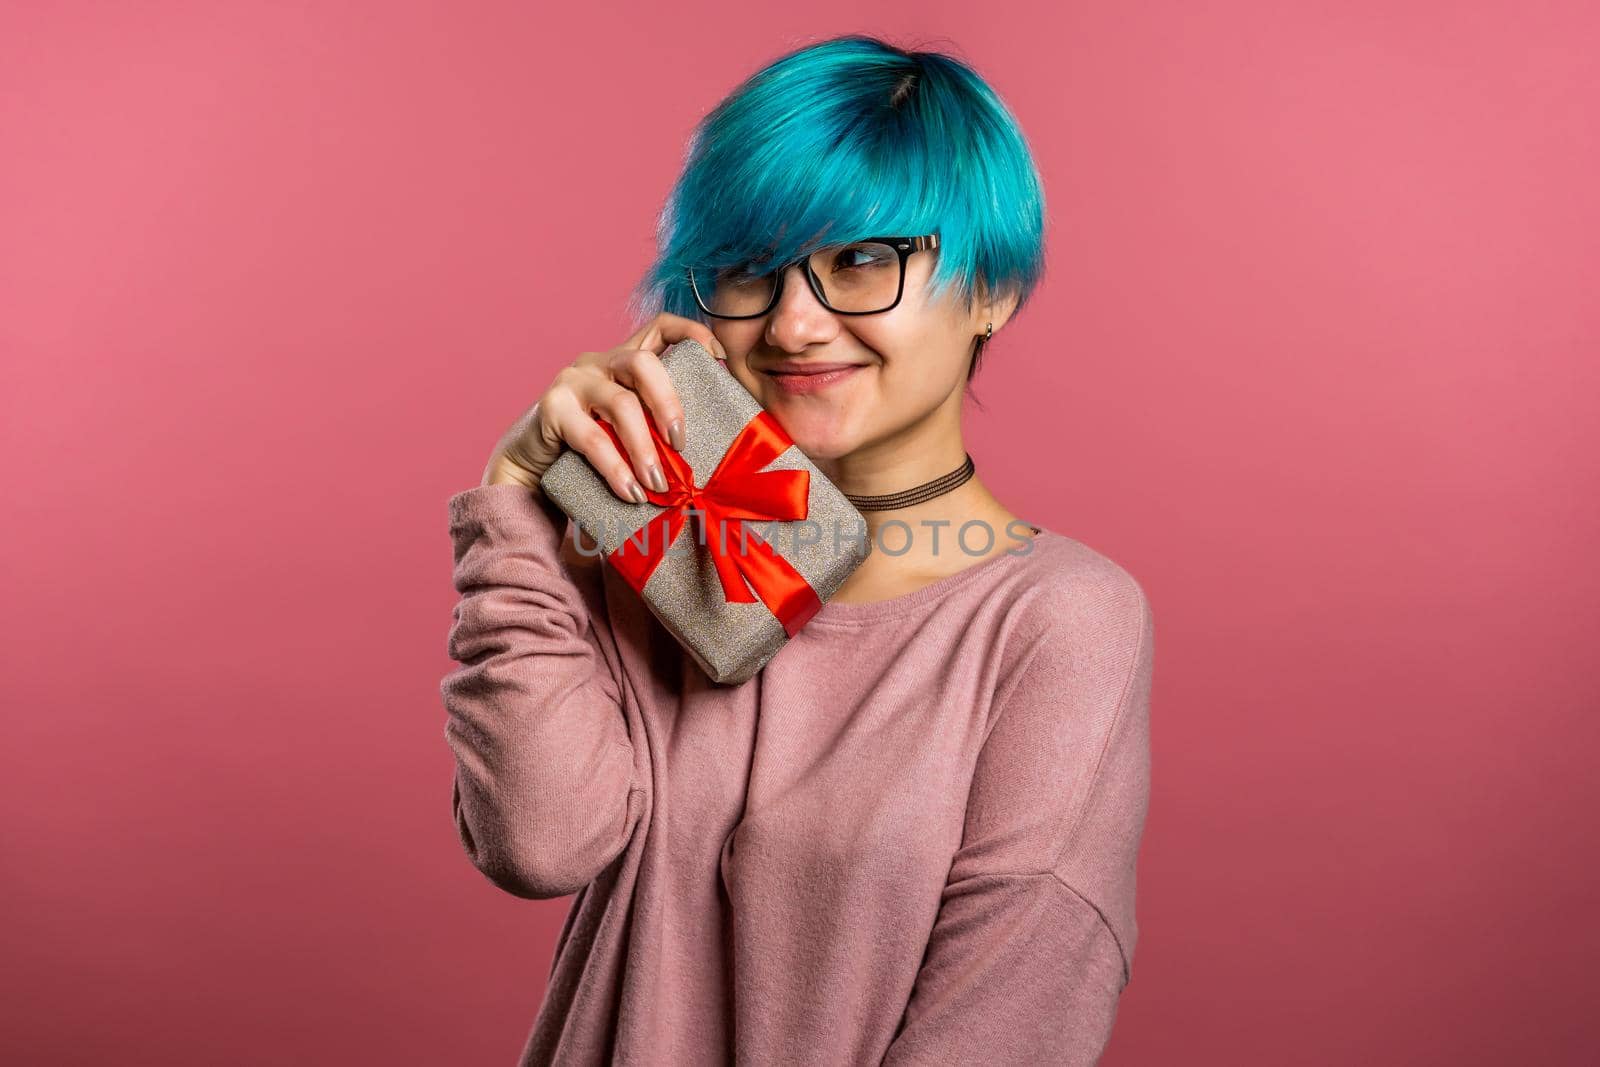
866	255
741	274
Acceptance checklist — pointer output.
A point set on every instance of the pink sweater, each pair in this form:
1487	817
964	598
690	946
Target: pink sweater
911	839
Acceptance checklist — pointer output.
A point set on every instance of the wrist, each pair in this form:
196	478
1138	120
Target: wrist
502	471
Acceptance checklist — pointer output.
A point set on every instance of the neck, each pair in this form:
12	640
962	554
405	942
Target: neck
922	453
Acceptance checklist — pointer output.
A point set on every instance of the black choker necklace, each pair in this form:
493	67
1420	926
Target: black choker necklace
926	491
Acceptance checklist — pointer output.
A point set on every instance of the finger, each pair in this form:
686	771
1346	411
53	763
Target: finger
644	373
622	408
668	329
568	416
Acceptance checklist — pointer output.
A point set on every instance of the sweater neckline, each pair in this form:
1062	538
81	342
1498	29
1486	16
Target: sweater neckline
836	613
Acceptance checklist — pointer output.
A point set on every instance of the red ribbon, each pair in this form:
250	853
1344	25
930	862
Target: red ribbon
737	492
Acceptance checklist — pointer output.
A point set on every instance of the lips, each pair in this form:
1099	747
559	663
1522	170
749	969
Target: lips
808	368
798	378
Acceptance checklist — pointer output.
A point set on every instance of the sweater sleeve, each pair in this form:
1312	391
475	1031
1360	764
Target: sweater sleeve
1034	938
544	793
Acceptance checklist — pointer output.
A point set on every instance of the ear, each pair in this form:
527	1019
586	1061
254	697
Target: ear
996	307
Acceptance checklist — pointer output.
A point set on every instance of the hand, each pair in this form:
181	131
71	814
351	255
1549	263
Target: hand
615	385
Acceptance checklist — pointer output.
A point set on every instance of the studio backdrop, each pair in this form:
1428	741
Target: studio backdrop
1314	357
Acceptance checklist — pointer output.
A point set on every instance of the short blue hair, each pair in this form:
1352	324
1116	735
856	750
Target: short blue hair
847	139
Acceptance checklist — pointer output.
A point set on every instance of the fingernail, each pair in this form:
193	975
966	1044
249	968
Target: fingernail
657	480
675	434
636	491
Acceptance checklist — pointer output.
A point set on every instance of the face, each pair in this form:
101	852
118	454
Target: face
887	373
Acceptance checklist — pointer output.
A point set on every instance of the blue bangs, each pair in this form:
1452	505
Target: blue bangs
849	139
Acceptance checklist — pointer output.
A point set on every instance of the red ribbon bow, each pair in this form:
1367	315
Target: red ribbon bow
737	492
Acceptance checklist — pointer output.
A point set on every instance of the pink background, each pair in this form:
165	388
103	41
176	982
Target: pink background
1315	360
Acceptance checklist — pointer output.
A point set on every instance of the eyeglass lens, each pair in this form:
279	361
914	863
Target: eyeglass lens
860	277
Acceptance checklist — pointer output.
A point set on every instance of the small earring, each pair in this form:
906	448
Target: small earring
989	332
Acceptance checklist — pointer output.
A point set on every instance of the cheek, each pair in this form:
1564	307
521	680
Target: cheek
927	361
739	369
928	337
739	340
909	388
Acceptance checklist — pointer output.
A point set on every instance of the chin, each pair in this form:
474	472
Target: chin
816	439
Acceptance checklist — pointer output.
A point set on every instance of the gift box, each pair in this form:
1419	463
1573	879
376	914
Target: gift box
747	543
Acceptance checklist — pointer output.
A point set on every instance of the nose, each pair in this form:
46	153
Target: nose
799	320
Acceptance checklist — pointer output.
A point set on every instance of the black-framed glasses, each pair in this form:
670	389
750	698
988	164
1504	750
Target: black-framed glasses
859	278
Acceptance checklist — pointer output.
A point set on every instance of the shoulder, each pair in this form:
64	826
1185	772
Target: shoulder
1079	610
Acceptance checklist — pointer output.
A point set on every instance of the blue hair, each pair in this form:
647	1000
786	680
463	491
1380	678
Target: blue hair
847	139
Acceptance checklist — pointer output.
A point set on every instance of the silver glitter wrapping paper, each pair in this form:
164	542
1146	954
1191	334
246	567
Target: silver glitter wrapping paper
730	642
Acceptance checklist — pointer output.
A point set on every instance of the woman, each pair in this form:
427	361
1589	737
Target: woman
912	837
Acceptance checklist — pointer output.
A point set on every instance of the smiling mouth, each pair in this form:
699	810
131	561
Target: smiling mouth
807	380
806	370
